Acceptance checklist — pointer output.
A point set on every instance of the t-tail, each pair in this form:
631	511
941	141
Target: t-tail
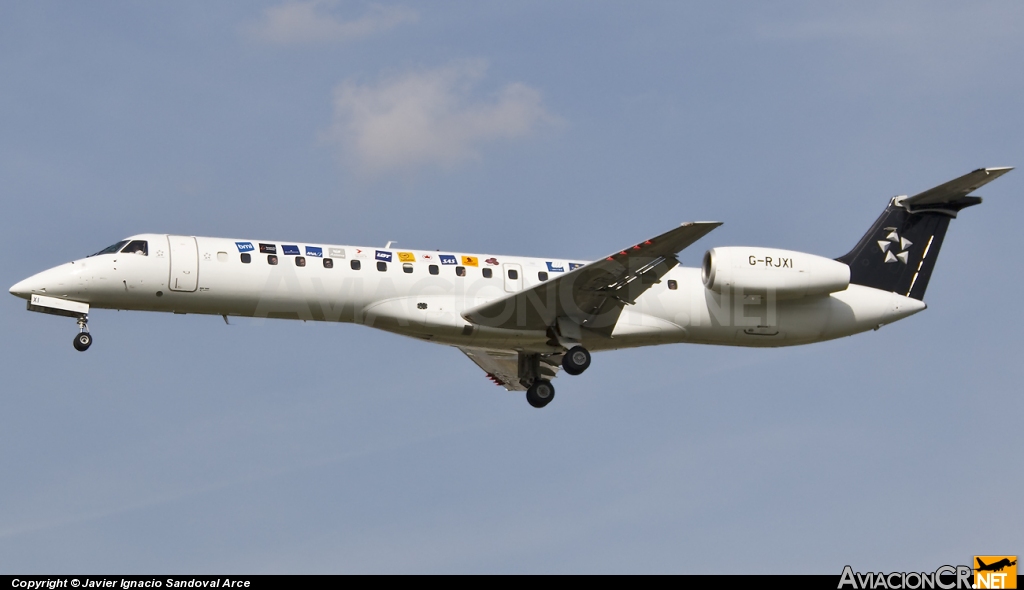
899	252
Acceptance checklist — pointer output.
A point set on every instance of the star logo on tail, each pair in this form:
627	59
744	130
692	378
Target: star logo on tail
894	247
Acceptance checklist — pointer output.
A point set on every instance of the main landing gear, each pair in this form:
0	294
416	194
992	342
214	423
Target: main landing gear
84	339
576	360
540	393
536	369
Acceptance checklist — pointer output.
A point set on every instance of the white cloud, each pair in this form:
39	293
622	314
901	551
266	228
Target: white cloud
430	117
310	22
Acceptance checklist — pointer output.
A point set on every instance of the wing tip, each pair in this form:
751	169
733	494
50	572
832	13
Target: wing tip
995	171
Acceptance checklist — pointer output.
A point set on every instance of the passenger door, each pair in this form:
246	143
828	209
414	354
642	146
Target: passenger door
512	285
184	263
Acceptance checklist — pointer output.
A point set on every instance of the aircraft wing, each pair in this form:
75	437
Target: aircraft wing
954	190
503	366
593	295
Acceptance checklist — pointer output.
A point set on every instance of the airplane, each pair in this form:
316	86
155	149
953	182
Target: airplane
994	567
522	319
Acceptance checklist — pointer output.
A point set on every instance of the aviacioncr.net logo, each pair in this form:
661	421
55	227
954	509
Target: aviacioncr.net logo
946	577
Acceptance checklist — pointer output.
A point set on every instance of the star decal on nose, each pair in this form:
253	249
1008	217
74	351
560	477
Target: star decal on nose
892	243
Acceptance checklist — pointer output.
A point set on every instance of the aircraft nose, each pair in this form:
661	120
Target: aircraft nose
49	282
22	289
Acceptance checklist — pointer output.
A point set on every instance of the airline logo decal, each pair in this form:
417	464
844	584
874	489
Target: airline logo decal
336	252
290	250
268	249
574	265
406	257
426	257
244	246
553	268
470	261
382	255
315	251
892	243
448	259
492	261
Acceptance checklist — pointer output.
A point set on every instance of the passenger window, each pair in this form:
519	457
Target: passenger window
433	269
246	258
300	261
382	266
271	260
355	265
673	285
460	271
542	276
328	263
487	273
139	247
407	268
513	274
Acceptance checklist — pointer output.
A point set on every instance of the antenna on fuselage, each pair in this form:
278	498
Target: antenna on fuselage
388	245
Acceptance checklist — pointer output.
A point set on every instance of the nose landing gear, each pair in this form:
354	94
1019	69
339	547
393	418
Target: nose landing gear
83	340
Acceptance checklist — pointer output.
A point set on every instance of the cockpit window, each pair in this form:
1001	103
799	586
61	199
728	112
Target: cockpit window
111	249
140	247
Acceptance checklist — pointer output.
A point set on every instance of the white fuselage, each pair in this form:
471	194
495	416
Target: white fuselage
207	276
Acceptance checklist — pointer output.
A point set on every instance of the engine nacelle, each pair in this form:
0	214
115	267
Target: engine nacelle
782	274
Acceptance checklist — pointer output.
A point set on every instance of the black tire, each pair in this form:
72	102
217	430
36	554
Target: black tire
576	360
540	393
83	341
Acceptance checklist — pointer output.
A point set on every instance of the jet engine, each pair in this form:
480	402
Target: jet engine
782	274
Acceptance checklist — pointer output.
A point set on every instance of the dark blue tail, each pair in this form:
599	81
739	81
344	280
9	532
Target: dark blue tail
899	252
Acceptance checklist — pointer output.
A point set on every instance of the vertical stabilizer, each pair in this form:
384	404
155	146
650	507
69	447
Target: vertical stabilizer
899	252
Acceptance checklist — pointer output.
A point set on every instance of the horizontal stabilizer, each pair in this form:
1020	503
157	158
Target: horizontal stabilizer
954	190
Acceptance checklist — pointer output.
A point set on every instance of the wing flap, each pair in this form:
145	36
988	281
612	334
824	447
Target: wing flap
501	366
510	368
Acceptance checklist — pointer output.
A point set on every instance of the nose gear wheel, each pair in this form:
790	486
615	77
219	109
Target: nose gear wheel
83	340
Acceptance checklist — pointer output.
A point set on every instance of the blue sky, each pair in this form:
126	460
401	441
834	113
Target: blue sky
179	444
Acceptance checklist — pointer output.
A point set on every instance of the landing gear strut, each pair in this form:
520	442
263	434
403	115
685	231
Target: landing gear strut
576	360
83	340
540	393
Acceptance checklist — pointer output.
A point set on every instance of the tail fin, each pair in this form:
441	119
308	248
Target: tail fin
899	251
